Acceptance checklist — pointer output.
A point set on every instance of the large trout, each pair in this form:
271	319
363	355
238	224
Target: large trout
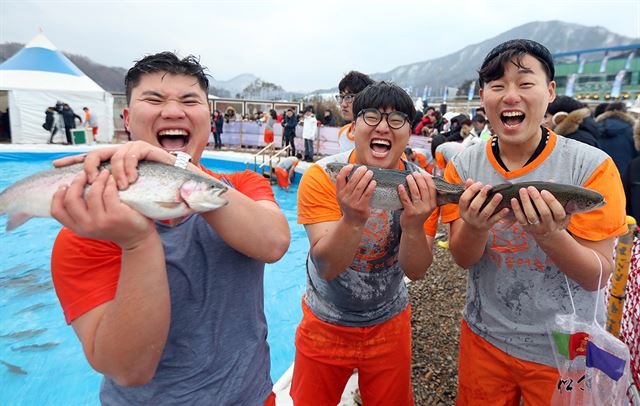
161	192
574	199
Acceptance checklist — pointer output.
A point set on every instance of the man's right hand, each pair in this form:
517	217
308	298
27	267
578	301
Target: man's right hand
471	210
355	193
124	160
100	215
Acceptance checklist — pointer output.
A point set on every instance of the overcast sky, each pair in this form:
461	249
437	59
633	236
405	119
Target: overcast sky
300	45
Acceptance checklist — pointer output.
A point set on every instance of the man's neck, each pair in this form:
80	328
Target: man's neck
515	156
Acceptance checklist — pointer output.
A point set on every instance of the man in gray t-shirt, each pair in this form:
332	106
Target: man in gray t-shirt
170	312
520	268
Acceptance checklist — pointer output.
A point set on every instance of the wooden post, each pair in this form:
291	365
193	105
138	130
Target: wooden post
619	278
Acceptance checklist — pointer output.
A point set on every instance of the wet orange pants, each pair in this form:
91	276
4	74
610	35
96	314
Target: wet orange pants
327	354
489	376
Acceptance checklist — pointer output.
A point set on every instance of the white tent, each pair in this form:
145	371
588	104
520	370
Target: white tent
38	76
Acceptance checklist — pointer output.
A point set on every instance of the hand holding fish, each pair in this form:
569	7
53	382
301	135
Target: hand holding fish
540	212
478	212
100	214
124	160
418	202
355	193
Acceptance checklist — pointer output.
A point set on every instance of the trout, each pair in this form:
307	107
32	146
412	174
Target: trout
574	199
161	192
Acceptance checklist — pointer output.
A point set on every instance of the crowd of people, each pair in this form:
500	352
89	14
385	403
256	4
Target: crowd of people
172	312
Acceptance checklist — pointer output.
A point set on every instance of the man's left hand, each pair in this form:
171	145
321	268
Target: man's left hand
418	202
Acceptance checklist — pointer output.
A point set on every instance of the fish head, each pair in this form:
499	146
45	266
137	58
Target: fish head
203	196
586	201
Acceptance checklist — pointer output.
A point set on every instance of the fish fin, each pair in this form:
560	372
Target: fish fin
16	220
168	205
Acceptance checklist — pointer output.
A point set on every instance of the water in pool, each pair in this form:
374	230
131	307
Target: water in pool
41	360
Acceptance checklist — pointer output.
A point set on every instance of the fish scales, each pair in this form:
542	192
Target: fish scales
160	192
574	199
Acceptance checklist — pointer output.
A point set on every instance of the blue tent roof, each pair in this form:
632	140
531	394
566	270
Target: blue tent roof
37	58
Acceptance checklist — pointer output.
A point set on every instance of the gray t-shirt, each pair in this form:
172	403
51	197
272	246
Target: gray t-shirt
372	289
515	288
216	352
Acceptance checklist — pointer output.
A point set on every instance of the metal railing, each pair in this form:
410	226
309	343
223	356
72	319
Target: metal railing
267	150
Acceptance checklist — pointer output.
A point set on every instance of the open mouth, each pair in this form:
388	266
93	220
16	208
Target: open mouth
512	118
380	147
174	139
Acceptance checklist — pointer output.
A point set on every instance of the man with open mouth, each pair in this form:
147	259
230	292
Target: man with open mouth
520	269
169	312
356	311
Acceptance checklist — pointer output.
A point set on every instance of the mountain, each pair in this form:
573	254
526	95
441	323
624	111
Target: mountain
234	85
453	69
112	78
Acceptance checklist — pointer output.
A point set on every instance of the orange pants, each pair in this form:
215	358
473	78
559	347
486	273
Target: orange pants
268	136
327	354
489	376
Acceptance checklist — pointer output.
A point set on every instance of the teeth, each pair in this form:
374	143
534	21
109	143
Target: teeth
173	132
381	142
512	113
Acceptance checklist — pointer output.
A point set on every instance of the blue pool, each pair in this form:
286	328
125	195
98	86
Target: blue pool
41	360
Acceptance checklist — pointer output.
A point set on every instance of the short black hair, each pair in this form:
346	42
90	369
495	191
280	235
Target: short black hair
481	108
166	62
354	82
564	103
617	106
382	95
513	51
479	118
600	108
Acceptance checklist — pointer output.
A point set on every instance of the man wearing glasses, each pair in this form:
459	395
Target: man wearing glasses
356	310
353	83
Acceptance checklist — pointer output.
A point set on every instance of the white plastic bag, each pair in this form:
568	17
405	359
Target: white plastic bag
593	364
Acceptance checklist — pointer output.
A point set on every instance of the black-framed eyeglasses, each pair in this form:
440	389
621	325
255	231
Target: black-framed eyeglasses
373	117
345	97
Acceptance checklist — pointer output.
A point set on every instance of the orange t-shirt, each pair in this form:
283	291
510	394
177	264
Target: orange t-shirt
85	271
317	201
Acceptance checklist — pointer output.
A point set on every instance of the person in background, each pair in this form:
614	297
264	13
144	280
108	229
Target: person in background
270	121
520	268
356	311
309	132
69	117
328	120
616	135
480	127
157	304
90	120
216	128
480	112
572	119
289	124
351	84
418	158
285	170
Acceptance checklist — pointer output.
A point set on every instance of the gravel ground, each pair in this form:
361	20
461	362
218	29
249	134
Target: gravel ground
437	302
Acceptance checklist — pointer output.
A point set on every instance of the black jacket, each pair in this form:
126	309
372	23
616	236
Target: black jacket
616	137
631	182
69	117
289	124
580	126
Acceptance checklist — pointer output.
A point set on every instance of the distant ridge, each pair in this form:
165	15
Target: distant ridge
455	68
449	70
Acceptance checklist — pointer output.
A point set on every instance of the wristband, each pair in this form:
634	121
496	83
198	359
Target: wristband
182	159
